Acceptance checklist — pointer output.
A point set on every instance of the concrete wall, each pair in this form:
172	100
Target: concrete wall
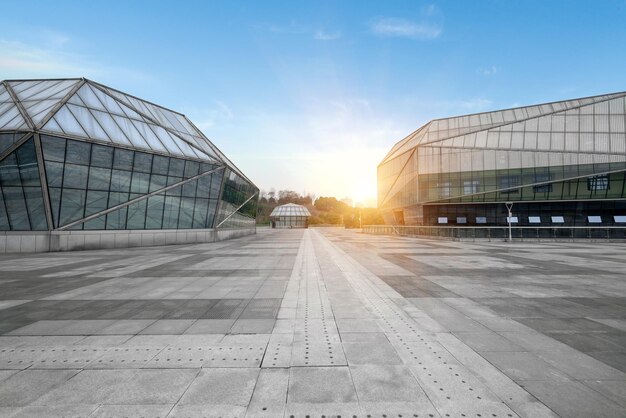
44	241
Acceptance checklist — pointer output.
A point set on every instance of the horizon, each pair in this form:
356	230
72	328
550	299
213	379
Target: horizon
320	92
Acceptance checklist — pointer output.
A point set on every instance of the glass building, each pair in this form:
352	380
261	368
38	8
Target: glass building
561	163
290	216
78	155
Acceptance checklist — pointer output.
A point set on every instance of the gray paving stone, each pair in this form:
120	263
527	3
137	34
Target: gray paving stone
232	387
524	366
378	383
370	353
210	326
168	327
573	399
310	385
24	387
270	394
123	411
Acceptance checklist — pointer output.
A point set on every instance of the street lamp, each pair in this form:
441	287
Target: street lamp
509	206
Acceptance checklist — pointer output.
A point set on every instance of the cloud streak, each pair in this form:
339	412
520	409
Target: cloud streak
52	58
401	28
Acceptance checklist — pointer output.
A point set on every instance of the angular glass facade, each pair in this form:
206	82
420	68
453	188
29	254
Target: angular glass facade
565	159
77	155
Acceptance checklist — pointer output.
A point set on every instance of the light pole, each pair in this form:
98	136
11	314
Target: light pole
509	206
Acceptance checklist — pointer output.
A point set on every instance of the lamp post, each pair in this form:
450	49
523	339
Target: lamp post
509	206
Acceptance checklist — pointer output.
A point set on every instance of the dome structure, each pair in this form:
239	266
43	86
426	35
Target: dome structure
78	155
290	216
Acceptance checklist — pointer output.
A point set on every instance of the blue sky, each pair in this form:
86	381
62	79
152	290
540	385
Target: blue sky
310	96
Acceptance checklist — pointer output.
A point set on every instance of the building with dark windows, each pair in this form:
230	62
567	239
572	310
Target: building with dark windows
290	216
560	164
85	166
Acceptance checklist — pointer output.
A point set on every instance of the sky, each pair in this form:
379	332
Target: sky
310	95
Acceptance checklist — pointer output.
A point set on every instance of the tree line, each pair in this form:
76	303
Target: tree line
324	210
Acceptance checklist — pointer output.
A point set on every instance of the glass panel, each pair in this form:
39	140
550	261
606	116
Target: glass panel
157	182
200	213
88	123
54	174
53	148
160	165
117	219
78	152
96	202
99	178
170	213
72	205
120	181
176	167
143	162
131	132
186	213
140	183
67	122
16	208
137	215
75	176
123	159
101	156
113	131
154	212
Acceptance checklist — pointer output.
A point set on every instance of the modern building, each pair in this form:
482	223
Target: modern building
559	164
290	216
83	165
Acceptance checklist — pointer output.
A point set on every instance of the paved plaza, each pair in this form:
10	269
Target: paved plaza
316	323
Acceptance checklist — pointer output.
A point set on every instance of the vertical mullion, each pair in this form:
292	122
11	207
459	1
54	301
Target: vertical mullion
43	181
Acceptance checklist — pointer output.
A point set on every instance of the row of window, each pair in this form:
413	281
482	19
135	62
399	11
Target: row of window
512	184
591	219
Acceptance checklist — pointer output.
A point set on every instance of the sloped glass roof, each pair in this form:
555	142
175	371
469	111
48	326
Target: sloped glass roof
86	109
290	209
444	129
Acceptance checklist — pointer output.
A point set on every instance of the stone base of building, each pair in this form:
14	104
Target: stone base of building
46	241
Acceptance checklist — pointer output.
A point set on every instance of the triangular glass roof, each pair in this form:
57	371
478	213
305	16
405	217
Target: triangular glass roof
83	108
10	116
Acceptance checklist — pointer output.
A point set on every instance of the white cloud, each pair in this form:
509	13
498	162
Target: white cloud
488	70
211	117
53	57
322	35
391	27
470	105
295	28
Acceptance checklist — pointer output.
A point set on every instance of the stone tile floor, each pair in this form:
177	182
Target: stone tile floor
316	323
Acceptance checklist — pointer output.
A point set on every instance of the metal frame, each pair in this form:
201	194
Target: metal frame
36	130
137	199
236	210
43	180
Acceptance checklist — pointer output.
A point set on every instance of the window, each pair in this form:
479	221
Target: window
596	183
508	183
512	219
594	219
461	220
534	220
619	219
470	187
481	219
442	220
542	188
445	189
557	220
